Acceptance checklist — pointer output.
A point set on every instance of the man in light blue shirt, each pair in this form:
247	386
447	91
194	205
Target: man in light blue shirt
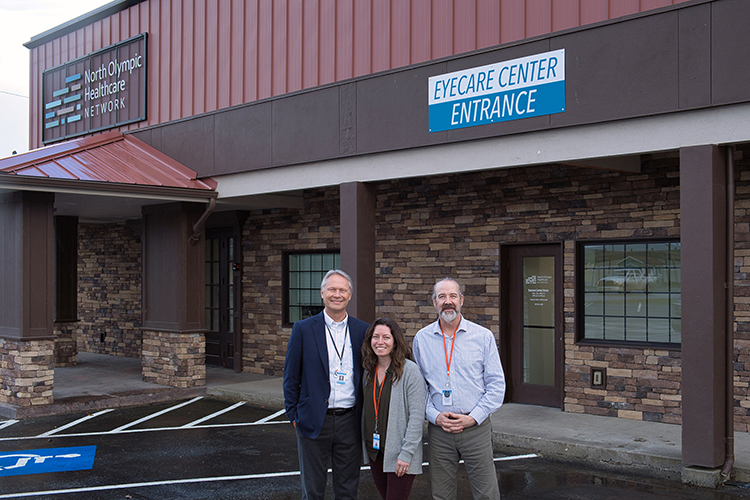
465	381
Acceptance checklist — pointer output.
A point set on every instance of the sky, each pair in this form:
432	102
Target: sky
20	20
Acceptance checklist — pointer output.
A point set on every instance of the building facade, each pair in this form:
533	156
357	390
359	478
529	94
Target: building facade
582	169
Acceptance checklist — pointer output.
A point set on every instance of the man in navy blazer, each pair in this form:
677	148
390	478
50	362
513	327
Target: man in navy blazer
323	391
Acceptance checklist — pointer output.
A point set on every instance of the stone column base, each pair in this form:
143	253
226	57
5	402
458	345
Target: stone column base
66	348
174	359
27	371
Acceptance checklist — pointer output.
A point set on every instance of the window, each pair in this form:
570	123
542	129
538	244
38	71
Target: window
630	292
303	274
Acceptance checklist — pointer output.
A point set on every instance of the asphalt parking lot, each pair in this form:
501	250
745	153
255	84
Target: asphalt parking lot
205	448
155	451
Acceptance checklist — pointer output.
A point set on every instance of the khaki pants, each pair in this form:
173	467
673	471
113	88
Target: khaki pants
474	447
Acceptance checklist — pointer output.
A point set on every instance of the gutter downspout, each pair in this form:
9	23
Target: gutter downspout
729	432
196	236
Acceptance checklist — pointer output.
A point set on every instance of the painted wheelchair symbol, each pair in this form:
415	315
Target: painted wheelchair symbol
24	458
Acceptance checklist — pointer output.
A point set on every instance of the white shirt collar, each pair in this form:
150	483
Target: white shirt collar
333	324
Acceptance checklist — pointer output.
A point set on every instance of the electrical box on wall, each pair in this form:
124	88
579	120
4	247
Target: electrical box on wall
598	378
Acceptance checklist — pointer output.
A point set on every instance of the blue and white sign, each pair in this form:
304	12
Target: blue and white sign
16	463
504	91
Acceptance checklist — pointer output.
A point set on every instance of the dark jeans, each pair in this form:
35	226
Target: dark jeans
339	445
389	485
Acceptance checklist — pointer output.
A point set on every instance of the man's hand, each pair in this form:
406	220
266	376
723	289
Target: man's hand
454	422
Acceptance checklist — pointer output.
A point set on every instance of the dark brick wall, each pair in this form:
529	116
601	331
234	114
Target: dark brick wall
742	291
428	228
266	235
453	225
109	289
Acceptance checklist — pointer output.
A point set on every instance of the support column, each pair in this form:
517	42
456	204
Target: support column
703	237
26	288
174	342
358	246
66	290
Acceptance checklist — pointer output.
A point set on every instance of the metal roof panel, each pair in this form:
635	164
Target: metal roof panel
110	157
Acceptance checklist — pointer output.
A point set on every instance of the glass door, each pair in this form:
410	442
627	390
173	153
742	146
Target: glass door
220	298
535	324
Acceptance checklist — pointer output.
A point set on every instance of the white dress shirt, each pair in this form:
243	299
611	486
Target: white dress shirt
339	343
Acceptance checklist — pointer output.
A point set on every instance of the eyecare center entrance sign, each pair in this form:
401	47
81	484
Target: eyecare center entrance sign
504	91
99	91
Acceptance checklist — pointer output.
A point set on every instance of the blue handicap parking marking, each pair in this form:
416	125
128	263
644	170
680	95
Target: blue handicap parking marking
16	463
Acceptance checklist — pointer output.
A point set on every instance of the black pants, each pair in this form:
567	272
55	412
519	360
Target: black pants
339	445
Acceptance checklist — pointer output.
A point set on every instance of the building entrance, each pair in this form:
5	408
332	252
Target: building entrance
533	330
220	304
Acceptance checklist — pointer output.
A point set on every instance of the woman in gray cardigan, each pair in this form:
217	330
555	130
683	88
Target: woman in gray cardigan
394	409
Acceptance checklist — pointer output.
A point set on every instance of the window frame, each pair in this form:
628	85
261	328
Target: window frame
580	295
286	322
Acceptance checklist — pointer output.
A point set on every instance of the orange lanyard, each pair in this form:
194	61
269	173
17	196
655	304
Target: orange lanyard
449	360
376	400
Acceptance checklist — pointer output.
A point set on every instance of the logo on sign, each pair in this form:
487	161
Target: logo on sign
101	90
15	463
509	90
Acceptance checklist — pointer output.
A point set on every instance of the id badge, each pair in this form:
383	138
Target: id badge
376	441
447	397
341	376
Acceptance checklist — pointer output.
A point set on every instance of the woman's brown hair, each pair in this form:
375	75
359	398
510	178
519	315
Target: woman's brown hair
401	349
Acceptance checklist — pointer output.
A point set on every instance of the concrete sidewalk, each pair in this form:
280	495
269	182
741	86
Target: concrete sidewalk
109	382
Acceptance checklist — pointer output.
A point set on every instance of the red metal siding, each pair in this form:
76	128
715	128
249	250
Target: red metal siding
209	54
442	28
464	27
488	25
327	42
538	16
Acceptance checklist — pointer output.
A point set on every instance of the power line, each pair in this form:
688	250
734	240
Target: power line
11	93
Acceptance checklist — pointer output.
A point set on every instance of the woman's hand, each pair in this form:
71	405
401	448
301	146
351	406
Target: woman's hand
401	467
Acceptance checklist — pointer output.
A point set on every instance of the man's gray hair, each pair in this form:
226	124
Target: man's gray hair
340	273
434	288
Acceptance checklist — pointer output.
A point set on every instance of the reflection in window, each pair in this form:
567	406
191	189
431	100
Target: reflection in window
631	292
305	271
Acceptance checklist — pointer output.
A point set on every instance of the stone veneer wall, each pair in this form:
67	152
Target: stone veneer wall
66	347
27	372
109	289
453	225
174	359
742	291
265	236
429	228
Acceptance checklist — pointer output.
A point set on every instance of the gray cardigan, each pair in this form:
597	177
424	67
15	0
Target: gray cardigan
405	421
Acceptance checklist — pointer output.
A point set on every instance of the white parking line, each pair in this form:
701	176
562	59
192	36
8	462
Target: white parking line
151	483
209	417
80	420
152	429
270	417
154	415
244	477
7	423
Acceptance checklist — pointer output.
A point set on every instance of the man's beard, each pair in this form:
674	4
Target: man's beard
448	314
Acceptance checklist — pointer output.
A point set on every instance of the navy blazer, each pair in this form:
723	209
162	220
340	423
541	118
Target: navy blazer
306	382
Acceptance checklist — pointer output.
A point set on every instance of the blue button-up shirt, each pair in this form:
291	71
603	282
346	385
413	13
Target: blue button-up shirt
476	378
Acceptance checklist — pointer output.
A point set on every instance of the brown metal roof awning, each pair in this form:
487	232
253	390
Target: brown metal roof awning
104	177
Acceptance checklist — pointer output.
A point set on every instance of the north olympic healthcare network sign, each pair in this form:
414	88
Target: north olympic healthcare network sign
504	91
99	91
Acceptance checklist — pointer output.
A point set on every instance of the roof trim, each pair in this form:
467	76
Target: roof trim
79	22
96	188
